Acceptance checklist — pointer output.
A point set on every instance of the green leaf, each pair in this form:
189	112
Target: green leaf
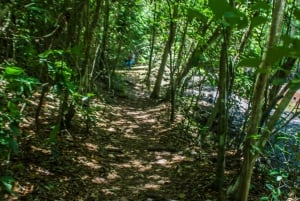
90	95
250	62
264	198
278	81
7	182
259	20
34	8
219	7
297	13
296	81
14	145
277	53
13	108
54	133
4	141
260	6
298	157
197	14
181	195
47	53
13	70
279	178
270	186
14	127
76	50
235	17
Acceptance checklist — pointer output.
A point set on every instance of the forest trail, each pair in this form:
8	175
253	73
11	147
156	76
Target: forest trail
131	154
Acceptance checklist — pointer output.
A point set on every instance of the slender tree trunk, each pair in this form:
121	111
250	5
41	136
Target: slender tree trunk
245	38
275	92
283	72
223	113
171	38
172	92
152	43
195	55
241	187
104	40
88	40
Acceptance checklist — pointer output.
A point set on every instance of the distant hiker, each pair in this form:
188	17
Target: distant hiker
130	60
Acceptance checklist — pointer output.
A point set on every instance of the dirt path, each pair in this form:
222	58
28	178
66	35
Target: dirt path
130	154
142	157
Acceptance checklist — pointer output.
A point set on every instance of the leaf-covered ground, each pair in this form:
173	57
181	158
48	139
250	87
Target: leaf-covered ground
131	153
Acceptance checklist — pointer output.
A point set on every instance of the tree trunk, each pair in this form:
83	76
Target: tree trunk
195	55
275	92
152	43
250	153
88	40
172	31
223	113
104	43
245	38
172	92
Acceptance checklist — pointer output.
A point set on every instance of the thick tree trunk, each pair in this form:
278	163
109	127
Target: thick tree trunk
250	152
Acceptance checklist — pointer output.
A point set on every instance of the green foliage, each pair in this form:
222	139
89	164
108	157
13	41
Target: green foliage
18	81
244	80
297	14
276	178
15	86
85	108
195	13
7	183
250	62
59	72
282	170
230	16
118	84
259	20
49	38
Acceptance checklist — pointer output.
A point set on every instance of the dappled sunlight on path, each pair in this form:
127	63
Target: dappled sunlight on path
131	153
134	129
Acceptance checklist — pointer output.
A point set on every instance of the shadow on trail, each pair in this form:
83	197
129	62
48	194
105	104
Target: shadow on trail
131	154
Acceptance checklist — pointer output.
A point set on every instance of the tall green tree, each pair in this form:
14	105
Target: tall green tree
252	145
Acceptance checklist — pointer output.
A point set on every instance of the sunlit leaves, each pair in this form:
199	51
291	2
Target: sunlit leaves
14	70
47	53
